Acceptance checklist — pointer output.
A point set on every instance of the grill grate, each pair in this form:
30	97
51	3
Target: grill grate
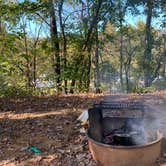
107	117
121	109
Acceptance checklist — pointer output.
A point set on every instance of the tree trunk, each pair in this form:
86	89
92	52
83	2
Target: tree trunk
28	74
88	71
158	66
35	59
127	64
34	69
0	26
93	24
96	60
84	81
148	44
121	64
55	45
164	71
64	44
121	18
72	86
127	78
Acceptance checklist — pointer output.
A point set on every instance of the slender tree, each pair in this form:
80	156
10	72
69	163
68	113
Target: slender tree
148	42
64	42
96	62
55	44
94	21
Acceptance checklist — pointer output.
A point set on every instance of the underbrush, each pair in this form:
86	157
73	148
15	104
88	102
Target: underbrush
11	91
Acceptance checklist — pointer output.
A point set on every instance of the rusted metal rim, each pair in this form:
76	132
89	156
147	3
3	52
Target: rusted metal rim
159	137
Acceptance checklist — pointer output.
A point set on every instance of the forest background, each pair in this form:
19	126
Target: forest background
77	46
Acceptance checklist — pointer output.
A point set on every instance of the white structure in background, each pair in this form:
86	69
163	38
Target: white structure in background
83	117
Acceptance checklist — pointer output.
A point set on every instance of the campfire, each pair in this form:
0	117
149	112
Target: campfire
115	122
118	127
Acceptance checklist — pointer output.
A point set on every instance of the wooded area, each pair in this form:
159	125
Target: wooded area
60	59
81	46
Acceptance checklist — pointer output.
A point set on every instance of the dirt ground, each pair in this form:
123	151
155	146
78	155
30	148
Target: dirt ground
50	124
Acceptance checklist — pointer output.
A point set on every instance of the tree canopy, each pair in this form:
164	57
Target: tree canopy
81	46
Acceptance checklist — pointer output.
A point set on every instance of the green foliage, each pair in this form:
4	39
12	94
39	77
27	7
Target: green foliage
159	84
11	91
137	89
26	55
45	91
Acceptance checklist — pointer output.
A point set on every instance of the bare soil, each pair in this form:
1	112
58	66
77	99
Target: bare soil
50	124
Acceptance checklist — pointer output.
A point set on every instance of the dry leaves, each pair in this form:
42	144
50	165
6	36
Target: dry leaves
50	124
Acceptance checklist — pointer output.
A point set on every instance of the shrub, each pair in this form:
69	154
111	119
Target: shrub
11	91
143	89
160	84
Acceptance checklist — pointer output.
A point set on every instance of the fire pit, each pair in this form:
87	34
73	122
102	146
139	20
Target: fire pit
117	137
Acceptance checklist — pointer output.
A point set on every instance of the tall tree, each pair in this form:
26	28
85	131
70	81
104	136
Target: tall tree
119	20
96	62
64	42
129	50
55	44
96	7
151	8
148	42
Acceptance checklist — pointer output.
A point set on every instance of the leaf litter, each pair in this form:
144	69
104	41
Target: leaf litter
50	124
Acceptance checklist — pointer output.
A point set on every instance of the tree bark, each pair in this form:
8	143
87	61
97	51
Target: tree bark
64	44
121	45
35	59
96	60
72	86
127	79
148	43
28	75
88	70
127	64
93	24
34	70
0	26
158	67
121	64
55	45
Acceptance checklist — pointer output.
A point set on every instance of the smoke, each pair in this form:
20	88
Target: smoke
154	121
141	136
